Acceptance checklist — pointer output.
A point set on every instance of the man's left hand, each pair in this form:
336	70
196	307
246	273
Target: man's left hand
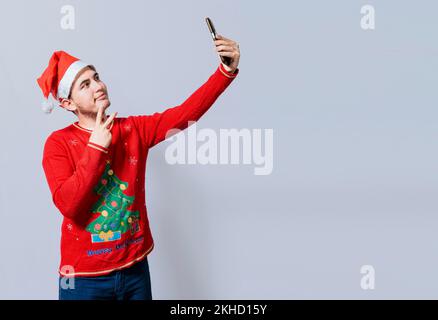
228	48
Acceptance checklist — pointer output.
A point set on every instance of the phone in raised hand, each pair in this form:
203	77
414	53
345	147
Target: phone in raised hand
225	60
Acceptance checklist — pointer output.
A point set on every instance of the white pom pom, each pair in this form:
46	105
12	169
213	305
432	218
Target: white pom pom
46	106
49	104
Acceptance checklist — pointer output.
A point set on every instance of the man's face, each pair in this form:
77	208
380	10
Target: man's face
89	93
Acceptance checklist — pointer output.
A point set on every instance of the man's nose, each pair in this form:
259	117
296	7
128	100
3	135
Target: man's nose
98	86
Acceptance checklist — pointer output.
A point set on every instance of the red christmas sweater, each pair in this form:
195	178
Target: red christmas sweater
101	191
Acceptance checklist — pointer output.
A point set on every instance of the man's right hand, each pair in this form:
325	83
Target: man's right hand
101	134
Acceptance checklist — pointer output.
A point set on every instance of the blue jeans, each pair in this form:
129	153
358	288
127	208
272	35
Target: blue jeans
132	283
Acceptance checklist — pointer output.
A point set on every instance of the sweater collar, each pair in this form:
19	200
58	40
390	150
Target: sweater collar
76	125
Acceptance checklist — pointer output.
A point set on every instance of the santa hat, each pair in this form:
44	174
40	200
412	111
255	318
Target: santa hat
57	79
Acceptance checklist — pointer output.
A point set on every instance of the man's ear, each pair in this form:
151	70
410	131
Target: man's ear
68	104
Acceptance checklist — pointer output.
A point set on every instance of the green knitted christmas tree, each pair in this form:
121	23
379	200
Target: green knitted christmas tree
114	219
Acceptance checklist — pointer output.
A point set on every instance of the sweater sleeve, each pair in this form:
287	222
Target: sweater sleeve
154	128
71	187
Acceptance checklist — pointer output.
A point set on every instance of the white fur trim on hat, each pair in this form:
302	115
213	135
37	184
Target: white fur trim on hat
68	78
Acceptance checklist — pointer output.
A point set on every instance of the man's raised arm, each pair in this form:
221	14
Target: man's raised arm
154	128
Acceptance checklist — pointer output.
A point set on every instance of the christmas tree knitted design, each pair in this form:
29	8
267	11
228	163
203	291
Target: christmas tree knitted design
114	219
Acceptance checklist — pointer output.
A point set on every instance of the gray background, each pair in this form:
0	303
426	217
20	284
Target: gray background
354	118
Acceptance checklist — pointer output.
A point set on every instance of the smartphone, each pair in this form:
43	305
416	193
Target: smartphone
225	60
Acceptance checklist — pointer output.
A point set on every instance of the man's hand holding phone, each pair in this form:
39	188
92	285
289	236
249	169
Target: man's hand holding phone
228	48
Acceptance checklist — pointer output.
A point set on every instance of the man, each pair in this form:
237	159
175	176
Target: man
95	169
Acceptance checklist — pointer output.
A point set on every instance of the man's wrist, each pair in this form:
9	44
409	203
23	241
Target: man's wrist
228	69
227	73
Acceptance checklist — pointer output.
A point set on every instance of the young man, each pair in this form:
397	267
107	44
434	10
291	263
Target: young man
95	169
